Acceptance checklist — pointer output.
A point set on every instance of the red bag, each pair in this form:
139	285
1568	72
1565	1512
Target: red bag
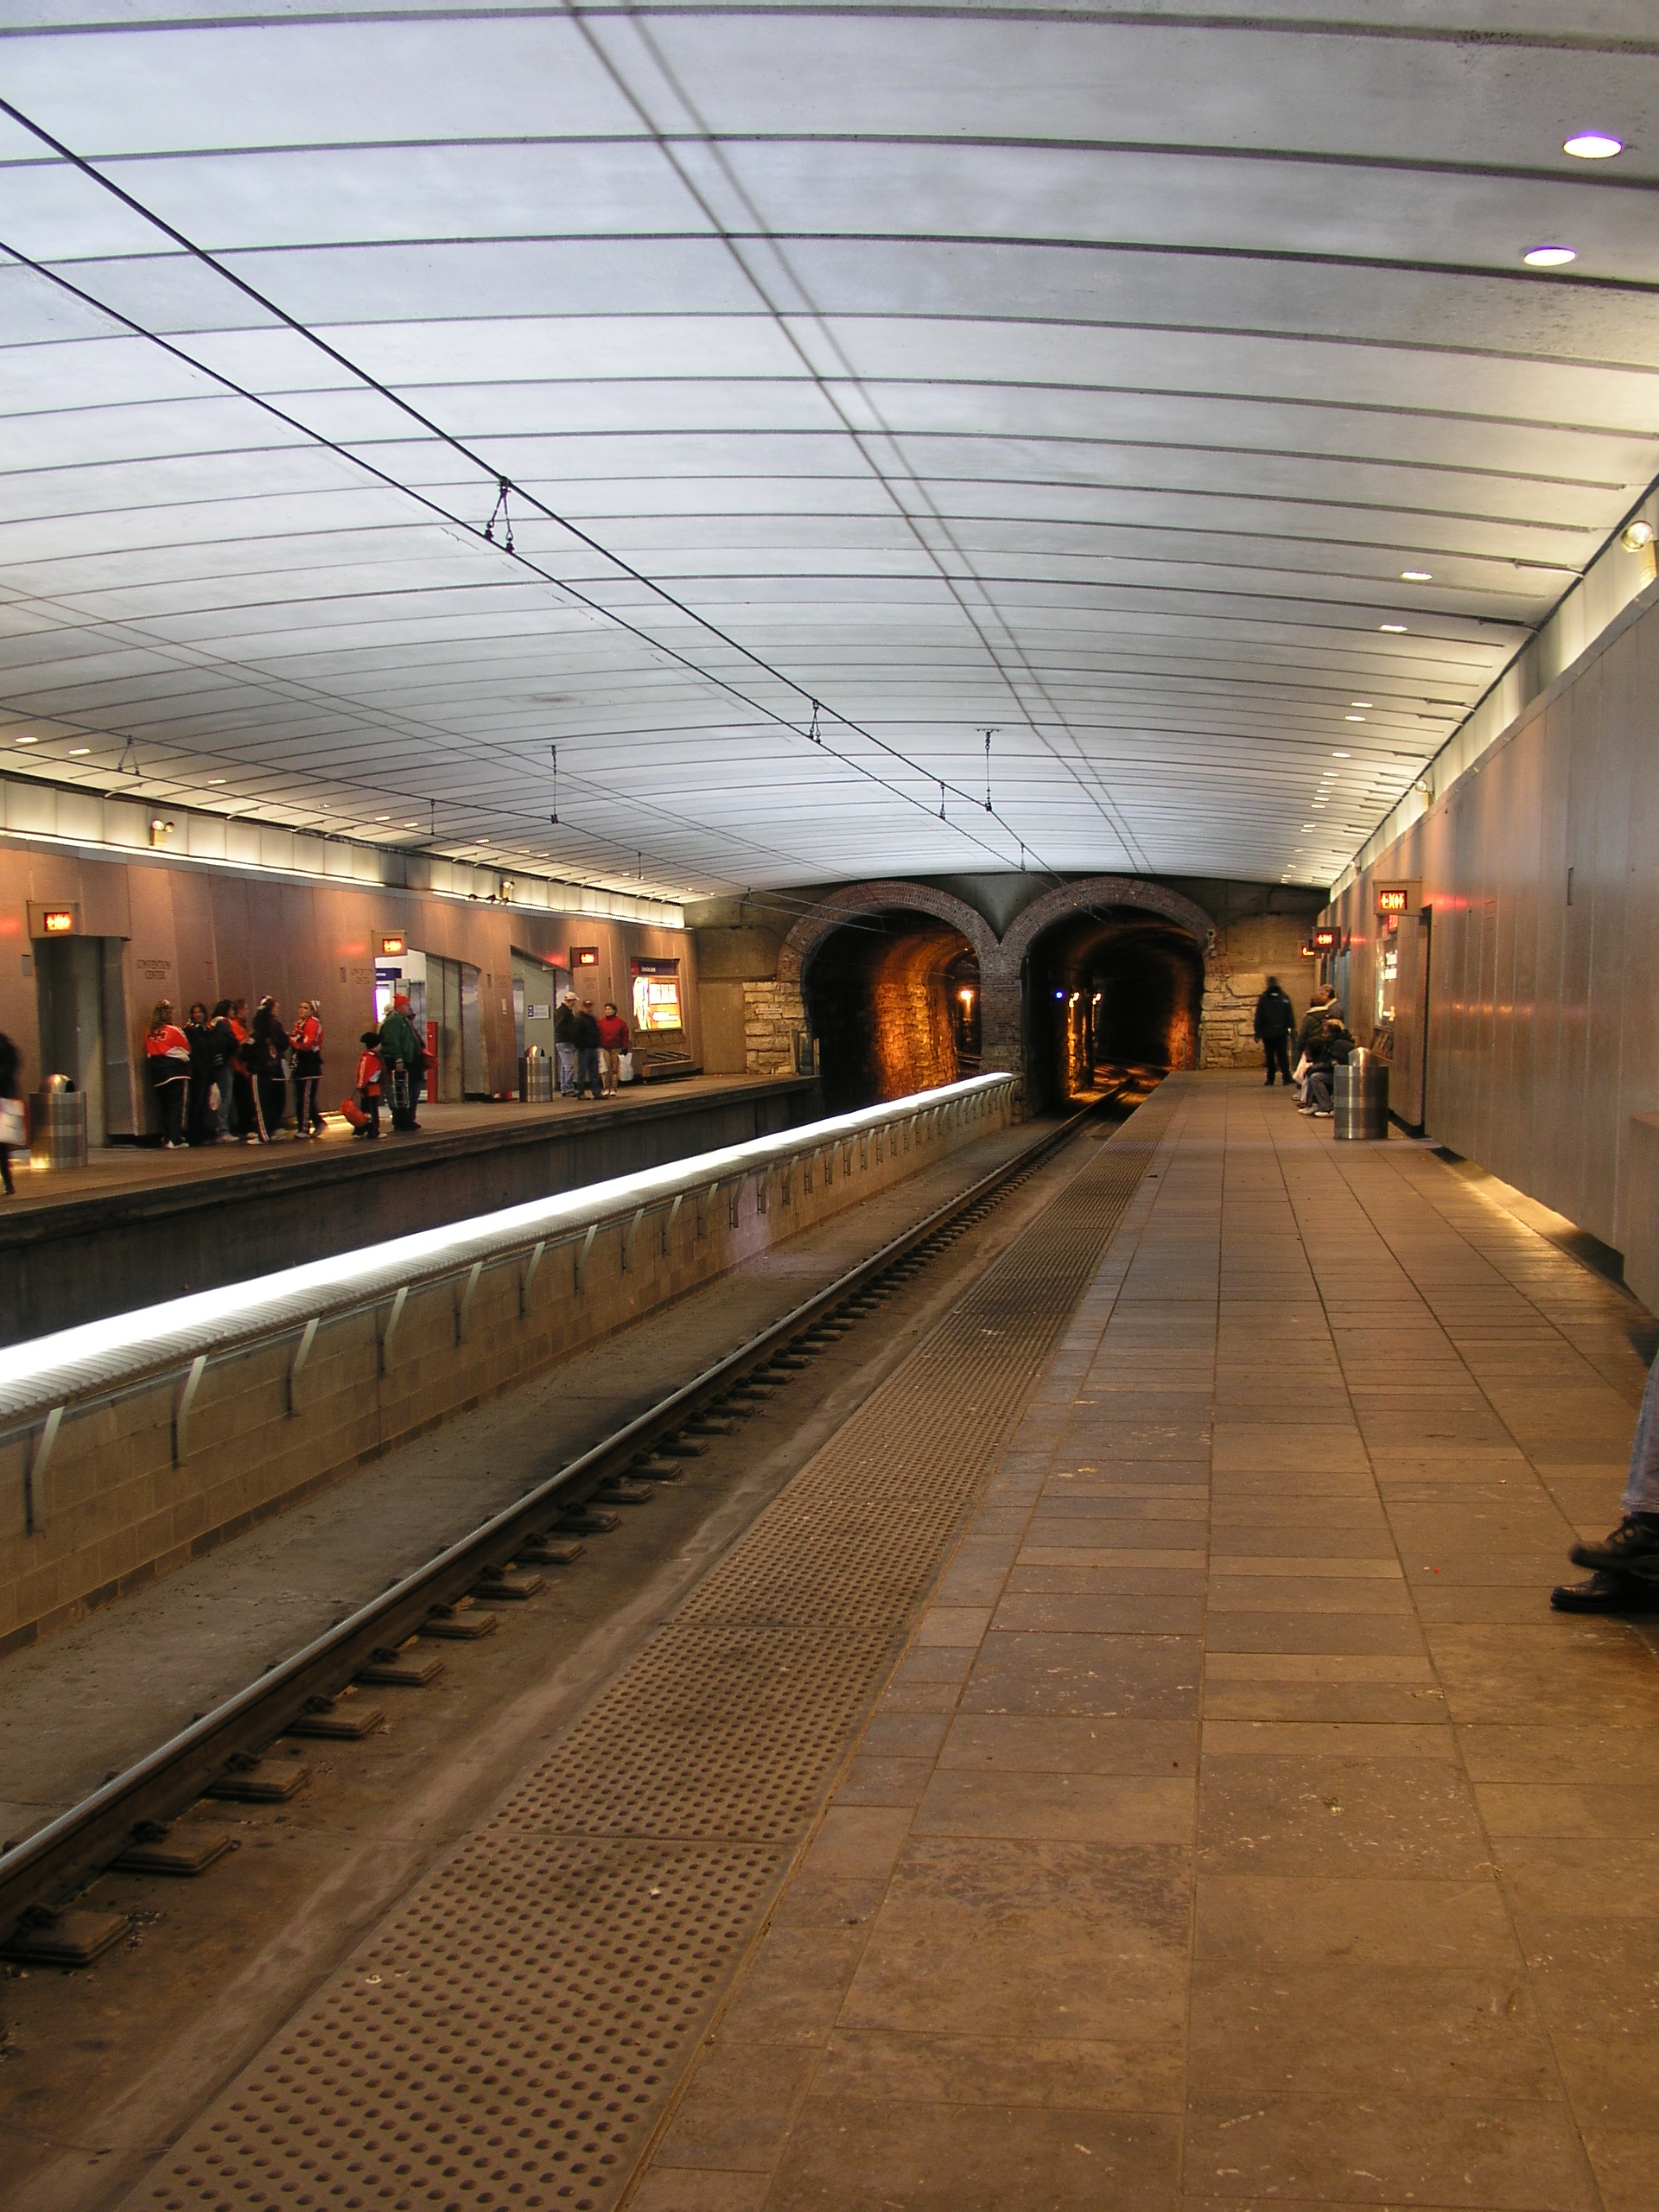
354	1113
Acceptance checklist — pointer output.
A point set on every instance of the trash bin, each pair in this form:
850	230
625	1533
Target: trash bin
57	1125
534	1076
1361	1097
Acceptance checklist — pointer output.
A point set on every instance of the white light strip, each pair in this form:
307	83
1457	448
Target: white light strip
100	1357
89	820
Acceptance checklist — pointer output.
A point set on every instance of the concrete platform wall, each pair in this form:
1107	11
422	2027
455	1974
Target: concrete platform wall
89	1257
126	1497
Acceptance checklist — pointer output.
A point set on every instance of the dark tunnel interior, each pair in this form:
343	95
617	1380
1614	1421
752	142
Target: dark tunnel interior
893	1001
1117	988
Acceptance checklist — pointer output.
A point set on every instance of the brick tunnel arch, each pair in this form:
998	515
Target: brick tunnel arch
1093	892
879	970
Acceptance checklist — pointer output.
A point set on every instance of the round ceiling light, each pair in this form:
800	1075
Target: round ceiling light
1593	146
1637	535
1550	257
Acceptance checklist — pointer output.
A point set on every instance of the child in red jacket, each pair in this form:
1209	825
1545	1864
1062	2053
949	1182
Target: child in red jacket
368	1082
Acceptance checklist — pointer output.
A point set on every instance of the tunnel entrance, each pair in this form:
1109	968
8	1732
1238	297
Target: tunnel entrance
1109	991
893	1000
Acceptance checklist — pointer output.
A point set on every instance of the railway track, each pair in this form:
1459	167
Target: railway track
127	1819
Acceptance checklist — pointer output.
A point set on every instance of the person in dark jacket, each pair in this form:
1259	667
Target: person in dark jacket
268	1053
1324	1005
10	1066
586	1033
198	1114
401	1059
1330	1050
1275	1018
225	1046
565	1043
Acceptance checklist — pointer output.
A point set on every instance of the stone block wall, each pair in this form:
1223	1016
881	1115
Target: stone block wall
1251	947
772	1012
125	1498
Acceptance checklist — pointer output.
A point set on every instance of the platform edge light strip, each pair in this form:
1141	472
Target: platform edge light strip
97	1357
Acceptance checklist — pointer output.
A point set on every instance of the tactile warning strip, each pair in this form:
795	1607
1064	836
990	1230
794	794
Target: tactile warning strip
509	2036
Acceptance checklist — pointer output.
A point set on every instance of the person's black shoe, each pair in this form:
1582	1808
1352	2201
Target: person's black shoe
1633	1547
1604	1593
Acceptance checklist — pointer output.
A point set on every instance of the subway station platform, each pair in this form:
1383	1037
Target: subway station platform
1129	1761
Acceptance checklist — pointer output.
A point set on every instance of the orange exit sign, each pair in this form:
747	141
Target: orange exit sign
1326	940
1392	902
393	948
60	921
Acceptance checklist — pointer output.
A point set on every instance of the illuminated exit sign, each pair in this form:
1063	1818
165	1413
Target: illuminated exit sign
60	921
1326	940
1392	902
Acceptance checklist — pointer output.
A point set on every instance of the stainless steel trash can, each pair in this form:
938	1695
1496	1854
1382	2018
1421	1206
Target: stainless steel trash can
534	1076
57	1125
1361	1100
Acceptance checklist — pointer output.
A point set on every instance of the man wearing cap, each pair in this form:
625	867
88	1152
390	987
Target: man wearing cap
400	1057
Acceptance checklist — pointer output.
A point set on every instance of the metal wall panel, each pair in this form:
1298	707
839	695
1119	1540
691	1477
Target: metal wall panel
1543	1015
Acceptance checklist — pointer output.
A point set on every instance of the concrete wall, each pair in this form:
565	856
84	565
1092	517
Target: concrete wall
186	931
125	1499
1539	869
86	1257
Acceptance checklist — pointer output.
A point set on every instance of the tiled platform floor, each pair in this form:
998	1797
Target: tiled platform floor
1240	1828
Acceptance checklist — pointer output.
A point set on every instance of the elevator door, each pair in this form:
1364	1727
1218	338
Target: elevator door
69	987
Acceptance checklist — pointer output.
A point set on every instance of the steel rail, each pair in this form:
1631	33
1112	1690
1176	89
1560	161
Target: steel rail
60	1859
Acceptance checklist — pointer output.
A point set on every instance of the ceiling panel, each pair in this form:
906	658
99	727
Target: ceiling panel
1090	380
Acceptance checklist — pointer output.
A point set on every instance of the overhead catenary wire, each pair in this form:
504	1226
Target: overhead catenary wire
460	447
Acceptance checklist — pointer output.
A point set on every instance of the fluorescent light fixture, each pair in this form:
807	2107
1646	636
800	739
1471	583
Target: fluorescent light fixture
1392	629
1353	718
75	751
1340	755
1415	577
1593	146
1550	257
211	780
29	741
1362	702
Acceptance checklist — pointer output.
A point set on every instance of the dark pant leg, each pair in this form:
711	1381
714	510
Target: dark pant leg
5	1171
1278	1053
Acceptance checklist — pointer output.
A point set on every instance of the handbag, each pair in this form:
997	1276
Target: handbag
13	1127
625	1067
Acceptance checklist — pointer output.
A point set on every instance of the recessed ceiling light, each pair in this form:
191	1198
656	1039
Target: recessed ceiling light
383	817
29	741
1340	755
75	751
1394	629
1415	577
1353	718
1550	257
1362	702
211	780
1593	146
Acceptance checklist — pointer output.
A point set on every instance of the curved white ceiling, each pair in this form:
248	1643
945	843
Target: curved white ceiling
1087	375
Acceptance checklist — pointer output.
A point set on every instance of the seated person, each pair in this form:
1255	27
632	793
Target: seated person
1329	1050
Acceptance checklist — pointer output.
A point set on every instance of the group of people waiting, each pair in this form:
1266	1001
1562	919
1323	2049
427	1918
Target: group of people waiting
1323	1043
590	1049
222	1076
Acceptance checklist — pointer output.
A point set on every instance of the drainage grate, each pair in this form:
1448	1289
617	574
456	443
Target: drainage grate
510	2035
